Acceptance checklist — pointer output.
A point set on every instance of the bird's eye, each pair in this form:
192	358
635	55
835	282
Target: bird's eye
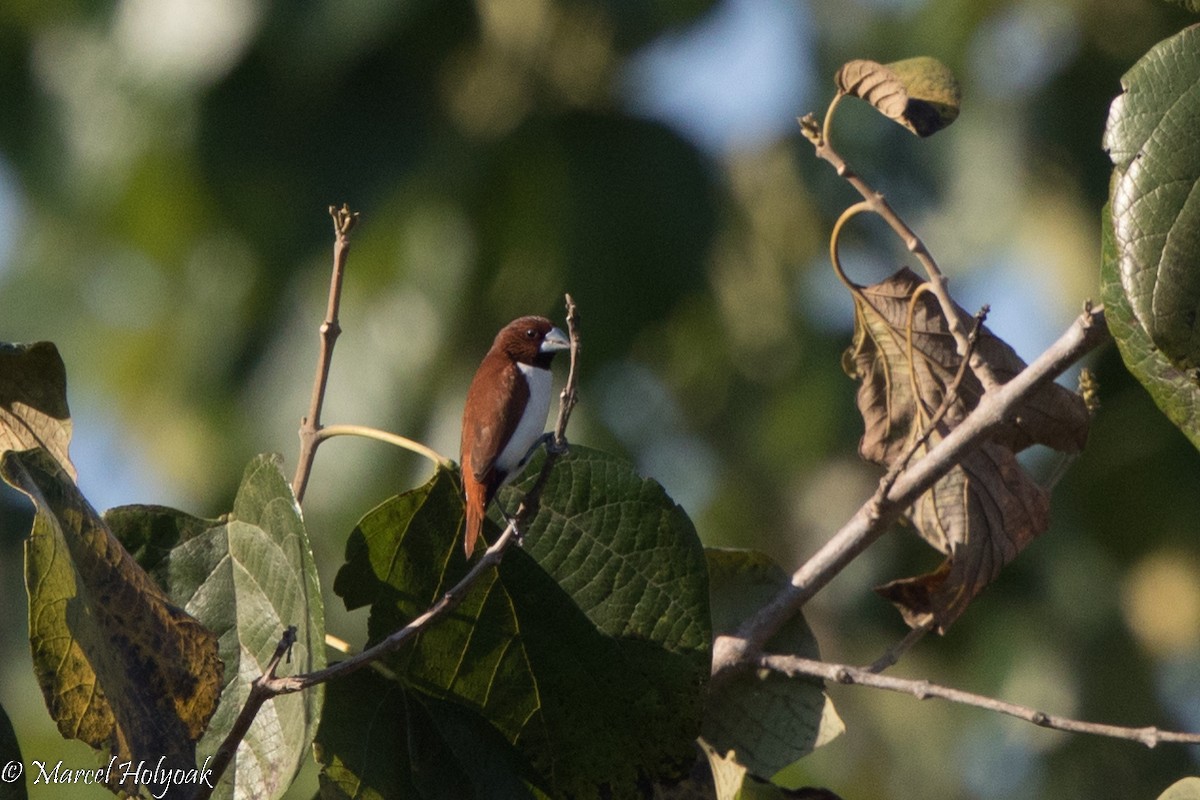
530	333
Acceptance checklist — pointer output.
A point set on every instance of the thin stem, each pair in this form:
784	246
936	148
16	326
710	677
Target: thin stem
329	431
892	655
922	690
343	222
956	318
874	517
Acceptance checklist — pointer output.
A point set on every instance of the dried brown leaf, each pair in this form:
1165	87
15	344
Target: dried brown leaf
987	509
919	93
899	394
980	515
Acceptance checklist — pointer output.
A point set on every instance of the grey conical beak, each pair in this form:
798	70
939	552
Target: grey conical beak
555	340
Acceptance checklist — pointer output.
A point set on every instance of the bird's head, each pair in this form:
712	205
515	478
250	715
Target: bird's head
531	340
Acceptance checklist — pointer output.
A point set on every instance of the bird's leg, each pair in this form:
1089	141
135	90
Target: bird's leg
547	439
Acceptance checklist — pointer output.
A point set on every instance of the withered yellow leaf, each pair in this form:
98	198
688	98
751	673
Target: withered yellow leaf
120	667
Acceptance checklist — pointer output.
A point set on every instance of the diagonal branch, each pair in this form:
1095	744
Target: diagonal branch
873	518
793	666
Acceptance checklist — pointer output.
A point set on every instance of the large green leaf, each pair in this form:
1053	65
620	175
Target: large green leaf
121	667
588	648
247	577
768	720
1153	142
12	781
1175	391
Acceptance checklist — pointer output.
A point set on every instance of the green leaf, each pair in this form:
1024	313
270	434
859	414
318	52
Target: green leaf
1175	391
919	93
1152	139
588	649
121	667
768	720
247	577
33	401
451	751
11	787
1185	789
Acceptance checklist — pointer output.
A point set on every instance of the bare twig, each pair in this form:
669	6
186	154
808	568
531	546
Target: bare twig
874	517
261	690
922	690
343	222
956	318
269	685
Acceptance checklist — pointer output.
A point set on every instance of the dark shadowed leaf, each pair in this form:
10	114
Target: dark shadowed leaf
121	667
588	648
247	577
1153	142
767	720
985	510
33	401
919	93
450	751
10	753
1175	391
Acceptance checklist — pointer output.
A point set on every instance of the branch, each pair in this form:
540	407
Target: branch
268	685
956	319
261	690
874	517
343	222
922	690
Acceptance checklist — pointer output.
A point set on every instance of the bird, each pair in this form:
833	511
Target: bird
505	412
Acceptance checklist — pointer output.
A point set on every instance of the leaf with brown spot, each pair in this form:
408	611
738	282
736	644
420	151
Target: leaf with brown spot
33	401
919	93
120	667
987	509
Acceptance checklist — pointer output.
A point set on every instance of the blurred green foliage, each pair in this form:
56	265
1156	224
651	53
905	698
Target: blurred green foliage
164	173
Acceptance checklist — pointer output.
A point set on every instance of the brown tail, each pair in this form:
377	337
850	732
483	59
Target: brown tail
476	493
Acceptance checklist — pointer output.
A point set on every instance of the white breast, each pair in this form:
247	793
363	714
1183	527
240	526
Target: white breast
533	421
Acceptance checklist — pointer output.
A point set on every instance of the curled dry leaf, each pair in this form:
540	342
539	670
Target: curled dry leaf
986	509
919	93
